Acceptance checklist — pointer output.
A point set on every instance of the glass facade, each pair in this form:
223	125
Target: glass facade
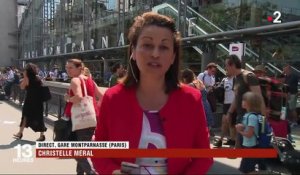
54	27
51	28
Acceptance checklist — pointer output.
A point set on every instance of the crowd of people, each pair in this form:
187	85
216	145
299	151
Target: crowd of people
10	79
155	98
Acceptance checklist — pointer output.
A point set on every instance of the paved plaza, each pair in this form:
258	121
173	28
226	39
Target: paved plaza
10	116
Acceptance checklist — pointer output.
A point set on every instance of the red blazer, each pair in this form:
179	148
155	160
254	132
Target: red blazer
184	124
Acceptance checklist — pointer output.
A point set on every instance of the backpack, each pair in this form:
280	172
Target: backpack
273	93
262	84
264	131
220	91
211	97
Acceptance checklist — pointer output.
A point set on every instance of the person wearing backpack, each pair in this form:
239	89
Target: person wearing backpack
189	78
244	81
249	129
208	78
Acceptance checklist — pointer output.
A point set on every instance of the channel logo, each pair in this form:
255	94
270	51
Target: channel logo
276	18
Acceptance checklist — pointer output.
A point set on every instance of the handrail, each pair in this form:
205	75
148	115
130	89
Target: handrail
270	69
212	26
166	5
275	68
221	69
198	50
216	28
296	70
249	66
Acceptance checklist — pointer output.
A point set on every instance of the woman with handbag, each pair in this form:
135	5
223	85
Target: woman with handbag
32	112
81	87
150	108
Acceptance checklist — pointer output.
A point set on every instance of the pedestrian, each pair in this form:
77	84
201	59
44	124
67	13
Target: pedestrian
117	70
150	108
189	78
291	79
244	81
15	88
208	78
249	129
227	123
32	112
9	82
75	70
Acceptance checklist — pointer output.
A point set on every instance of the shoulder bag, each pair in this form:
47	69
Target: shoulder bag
83	114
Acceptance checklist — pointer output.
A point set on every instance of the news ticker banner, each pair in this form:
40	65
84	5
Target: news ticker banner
121	150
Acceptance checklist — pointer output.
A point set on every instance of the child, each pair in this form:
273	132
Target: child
252	102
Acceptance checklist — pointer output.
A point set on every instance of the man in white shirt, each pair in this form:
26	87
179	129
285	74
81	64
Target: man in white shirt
65	76
9	82
208	76
208	79
10	75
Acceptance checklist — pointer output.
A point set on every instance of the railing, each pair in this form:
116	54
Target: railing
56	105
202	26
249	67
170	10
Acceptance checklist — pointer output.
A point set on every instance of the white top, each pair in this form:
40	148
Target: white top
65	76
152	137
208	80
10	75
229	93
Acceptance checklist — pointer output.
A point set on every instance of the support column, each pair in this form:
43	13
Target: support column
209	55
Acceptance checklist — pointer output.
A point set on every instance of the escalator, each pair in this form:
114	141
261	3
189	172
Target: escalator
202	26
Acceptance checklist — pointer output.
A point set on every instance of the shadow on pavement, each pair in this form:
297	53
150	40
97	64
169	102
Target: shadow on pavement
14	104
15	143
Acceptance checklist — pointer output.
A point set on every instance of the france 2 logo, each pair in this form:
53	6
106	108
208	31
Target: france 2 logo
276	19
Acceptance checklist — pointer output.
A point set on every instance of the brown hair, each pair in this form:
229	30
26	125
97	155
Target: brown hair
31	72
254	101
234	60
211	65
140	22
87	72
77	62
187	76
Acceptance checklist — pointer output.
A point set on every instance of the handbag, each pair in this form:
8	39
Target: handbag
83	113
62	130
46	95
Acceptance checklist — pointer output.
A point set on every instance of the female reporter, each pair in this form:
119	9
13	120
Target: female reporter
150	108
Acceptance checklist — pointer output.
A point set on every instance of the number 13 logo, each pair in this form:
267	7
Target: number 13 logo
24	151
